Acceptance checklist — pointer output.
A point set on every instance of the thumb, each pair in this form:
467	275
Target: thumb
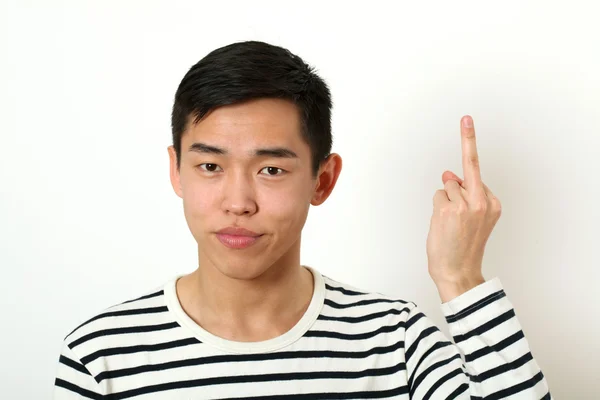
448	175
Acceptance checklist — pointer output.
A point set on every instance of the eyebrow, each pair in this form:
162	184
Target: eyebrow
279	152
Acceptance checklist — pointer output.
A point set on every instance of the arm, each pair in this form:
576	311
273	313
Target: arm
489	359
73	380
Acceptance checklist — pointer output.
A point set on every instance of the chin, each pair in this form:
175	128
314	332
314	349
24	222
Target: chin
242	269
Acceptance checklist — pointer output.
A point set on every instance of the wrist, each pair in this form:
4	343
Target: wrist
452	287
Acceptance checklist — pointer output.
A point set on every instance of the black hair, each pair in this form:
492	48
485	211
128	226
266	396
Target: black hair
249	70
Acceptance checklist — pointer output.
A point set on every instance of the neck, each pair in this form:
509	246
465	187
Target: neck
252	309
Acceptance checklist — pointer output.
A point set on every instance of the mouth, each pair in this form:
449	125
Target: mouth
237	238
237	241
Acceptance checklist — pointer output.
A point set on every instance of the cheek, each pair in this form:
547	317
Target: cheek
286	208
197	202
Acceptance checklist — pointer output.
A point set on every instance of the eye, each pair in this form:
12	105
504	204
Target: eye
272	171
209	167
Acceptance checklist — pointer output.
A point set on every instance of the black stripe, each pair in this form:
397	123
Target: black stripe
76	389
223	380
124	330
440	382
476	306
486	326
75	365
436	345
333	304
363	318
500	369
345	291
135	311
355	336
421	377
412	320
515	337
138	349
231	358
460	390
516	388
547	397
147	296
423	334
372	394
159	293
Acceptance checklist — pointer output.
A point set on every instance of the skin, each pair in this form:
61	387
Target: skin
259	292
464	215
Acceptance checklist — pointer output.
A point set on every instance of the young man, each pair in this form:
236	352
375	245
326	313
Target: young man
251	153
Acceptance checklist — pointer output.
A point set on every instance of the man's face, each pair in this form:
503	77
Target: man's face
246	165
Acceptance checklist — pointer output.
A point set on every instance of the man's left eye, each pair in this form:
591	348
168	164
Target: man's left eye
272	171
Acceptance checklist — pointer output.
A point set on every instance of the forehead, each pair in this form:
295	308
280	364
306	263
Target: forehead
254	123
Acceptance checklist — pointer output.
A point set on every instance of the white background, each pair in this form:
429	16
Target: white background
88	218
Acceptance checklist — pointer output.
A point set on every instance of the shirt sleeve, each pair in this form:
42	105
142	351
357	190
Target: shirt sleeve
73	380
489	357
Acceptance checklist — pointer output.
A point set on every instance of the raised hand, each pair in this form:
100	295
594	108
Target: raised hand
464	215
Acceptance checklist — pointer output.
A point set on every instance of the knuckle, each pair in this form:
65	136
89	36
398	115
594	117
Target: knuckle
474	160
480	206
496	203
436	196
497	206
445	210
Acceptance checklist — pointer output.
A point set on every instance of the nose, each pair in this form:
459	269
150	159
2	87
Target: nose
239	194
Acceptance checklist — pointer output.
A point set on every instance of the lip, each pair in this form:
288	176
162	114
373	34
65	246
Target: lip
237	231
237	238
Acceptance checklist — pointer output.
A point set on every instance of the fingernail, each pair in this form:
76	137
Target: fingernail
467	122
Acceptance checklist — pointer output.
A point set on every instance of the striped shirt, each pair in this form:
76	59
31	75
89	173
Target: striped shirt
349	344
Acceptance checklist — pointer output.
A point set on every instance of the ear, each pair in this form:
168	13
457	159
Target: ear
327	176
174	172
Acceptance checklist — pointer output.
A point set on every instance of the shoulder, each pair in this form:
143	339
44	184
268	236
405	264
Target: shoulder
130	316
367	318
343	296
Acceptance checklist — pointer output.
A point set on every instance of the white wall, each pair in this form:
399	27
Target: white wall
88	218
